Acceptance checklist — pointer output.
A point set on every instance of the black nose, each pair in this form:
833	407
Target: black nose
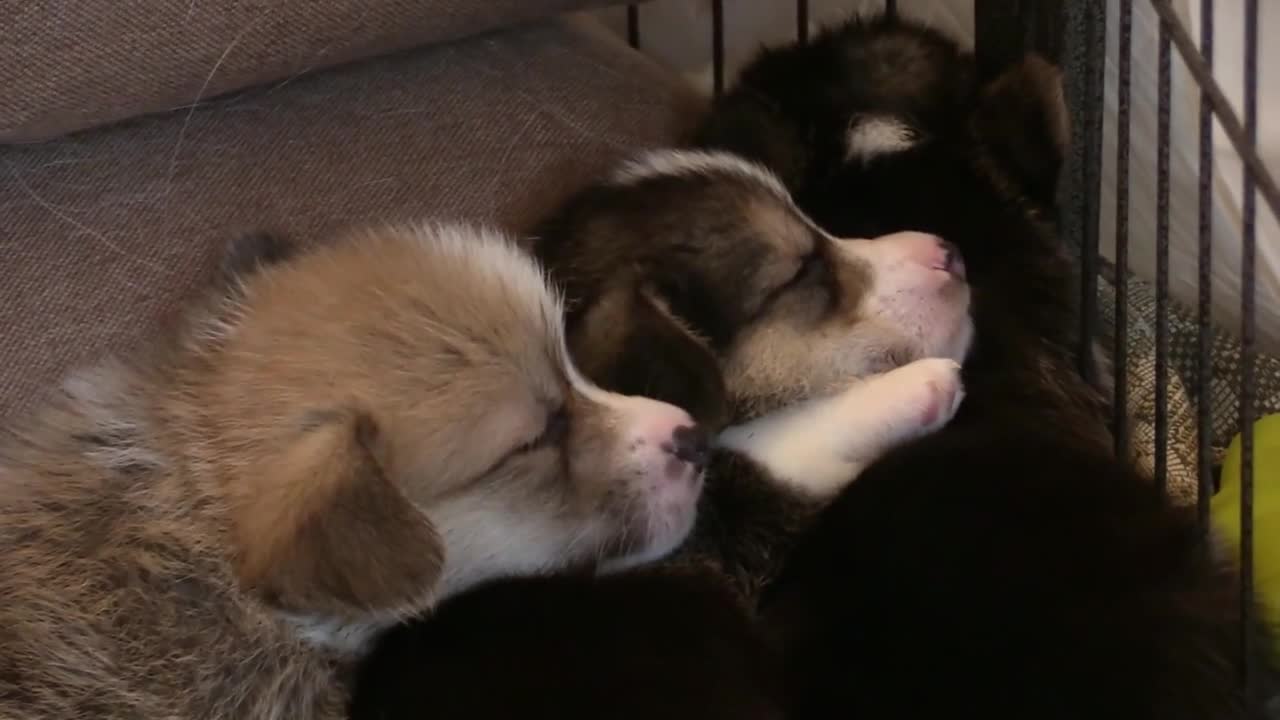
952	259
691	444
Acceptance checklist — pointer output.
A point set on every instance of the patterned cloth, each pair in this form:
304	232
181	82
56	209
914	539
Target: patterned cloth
1226	366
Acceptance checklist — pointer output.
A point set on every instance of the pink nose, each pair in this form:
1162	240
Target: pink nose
952	261
932	252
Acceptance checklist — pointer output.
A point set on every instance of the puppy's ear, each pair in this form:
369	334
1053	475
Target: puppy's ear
742	123
1022	121
250	252
628	342
322	530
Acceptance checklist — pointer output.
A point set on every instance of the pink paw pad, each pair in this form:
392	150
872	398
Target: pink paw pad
939	400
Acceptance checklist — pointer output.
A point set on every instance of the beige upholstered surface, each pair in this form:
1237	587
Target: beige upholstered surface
72	64
105	231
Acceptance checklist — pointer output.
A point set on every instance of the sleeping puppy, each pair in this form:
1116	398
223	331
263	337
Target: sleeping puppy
692	277
338	439
1008	566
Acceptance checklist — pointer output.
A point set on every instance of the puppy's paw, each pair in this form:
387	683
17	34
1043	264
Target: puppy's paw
931	392
822	445
898	406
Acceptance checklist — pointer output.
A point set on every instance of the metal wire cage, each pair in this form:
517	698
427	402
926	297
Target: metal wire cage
1007	27
1074	34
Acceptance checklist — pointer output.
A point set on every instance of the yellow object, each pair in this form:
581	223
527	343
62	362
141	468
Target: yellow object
1225	509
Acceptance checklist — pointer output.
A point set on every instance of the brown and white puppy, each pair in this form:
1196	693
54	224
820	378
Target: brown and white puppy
340	438
693	277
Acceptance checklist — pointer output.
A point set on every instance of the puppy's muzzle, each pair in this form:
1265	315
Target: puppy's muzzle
929	251
664	439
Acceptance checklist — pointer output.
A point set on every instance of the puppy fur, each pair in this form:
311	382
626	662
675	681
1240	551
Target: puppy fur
1007	566
634	646
692	277
335	440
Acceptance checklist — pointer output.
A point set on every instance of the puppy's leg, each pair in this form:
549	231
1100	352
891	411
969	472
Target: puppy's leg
820	446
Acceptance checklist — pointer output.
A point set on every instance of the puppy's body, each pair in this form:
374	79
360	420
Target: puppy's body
1008	566
636	646
338	439
120	599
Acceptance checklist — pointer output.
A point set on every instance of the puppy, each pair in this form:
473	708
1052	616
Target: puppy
819	352
692	277
1008	566
338	439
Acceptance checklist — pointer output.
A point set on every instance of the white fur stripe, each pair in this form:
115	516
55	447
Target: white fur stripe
870	137
666	163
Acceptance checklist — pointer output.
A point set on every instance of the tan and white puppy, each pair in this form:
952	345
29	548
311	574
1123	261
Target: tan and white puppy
340	438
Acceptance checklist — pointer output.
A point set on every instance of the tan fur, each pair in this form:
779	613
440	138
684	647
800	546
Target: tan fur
216	528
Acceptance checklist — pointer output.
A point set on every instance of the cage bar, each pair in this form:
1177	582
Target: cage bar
1263	182
1248	331
1120	349
633	26
1084	53
717	46
1095	21
1162	257
1204	399
891	8
802	21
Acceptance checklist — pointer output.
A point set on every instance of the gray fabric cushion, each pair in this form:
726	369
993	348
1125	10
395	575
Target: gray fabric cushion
105	231
66	65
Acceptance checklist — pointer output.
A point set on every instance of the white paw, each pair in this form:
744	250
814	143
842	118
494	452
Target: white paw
820	446
931	392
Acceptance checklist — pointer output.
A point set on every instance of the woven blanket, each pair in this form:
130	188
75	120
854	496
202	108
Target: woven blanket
1226	366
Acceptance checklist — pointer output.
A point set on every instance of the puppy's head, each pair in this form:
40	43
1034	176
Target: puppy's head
881	125
856	91
395	418
693	277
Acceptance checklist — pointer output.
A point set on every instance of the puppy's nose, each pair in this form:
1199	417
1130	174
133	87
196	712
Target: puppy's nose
952	260
691	444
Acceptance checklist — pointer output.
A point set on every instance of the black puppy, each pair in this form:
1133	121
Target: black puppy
636	646
1007	566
